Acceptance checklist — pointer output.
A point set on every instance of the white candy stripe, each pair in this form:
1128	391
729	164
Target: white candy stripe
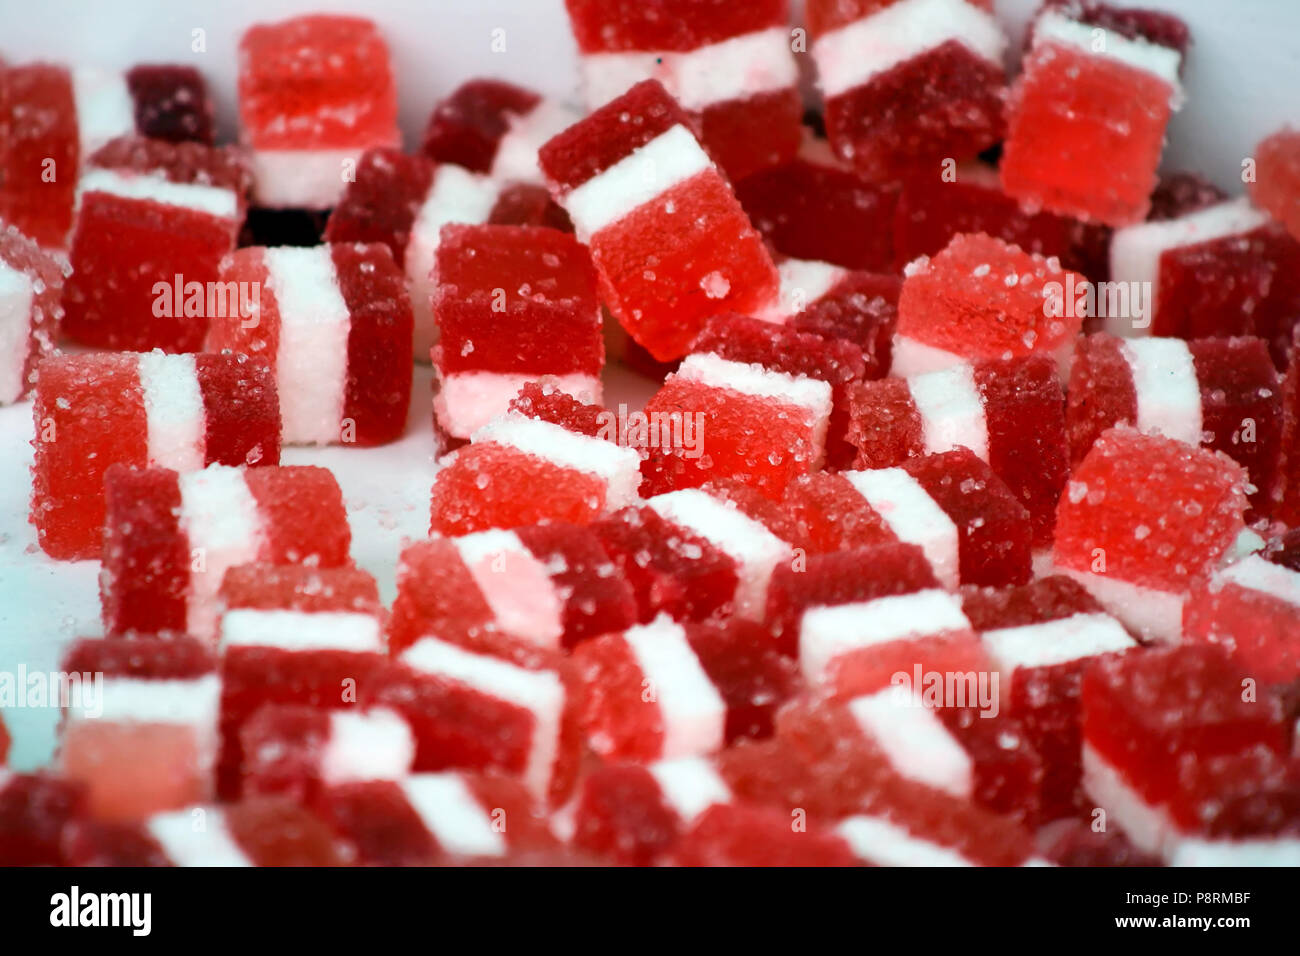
516	586
756	550
371	745
910	358
174	412
690	785
1164	381
452	815
516	156
1256	574
311	363
952	411
209	200
221	521
913	516
190	701
737	68
1151	614
857	52
829	632
714	371
197	837
456	196
693	713
666	161
618	467
1049	643
104	107
539	692
802	283
1150	828
1161	62
1135	251
466	401
301	630
916	742
301	178
16	296
878	841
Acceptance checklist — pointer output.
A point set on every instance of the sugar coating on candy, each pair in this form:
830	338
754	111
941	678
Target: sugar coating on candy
912	515
173	210
633	177
758	836
1146	713
1160	512
314	92
846	630
539	693
93	411
755	425
1087	117
817	212
915	740
736	76
980	298
912	81
1276	186
1137	252
39	118
755	549
31	287
1248	607
513	304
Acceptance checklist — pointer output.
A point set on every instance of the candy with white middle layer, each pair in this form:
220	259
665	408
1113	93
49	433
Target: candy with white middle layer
651	190
139	410
31	285
335	324
315	92
1250	608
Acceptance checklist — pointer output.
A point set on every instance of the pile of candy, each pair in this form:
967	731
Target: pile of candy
963	528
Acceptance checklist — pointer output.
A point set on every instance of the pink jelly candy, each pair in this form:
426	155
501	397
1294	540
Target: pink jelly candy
908	82
820	212
180	412
675	249
437	818
1087	117
758	836
1010	414
730	68
1217	270
35	811
513	304
963	517
519	471
335	324
153	222
31	284
490	703
1276	186
301	751
1222	394
149	742
551	584
294	635
1143	517
495	128
1040	637
314	93
404	201
1145	713
981	298
1249	607
170	537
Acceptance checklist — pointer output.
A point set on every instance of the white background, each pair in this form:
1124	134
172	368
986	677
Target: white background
1241	84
